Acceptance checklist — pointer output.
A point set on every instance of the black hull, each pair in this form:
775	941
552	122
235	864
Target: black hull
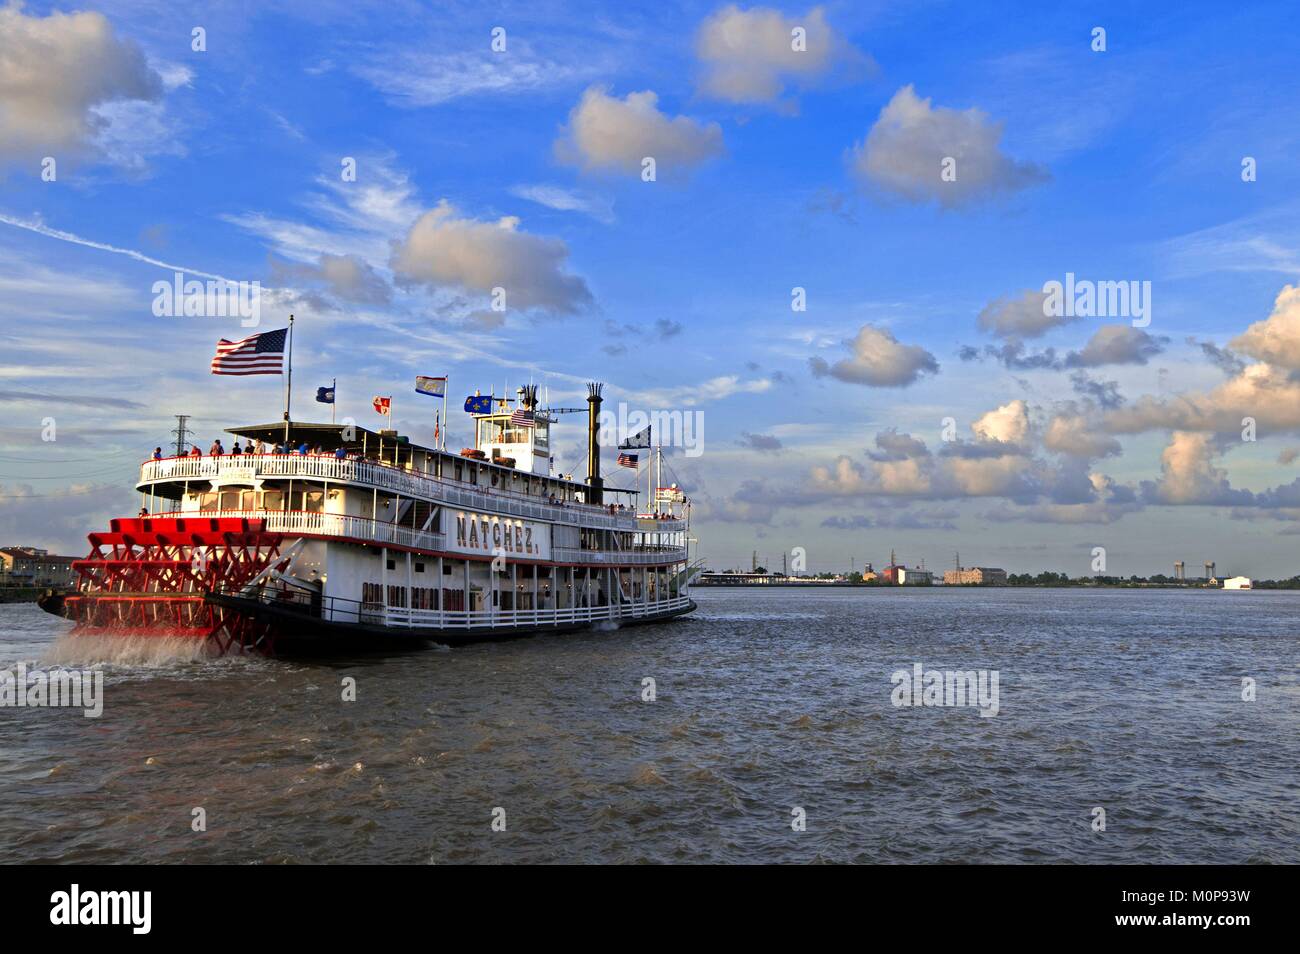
299	633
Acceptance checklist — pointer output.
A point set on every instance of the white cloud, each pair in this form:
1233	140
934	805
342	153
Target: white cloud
443	249
567	200
904	151
345	276
1072	435
1276	339
58	76
878	360
714	389
1188	474
749	56
1008	423
1116	344
1023	317
605	133
414	79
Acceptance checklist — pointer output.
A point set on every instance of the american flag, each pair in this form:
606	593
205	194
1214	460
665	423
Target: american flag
522	418
256	354
627	460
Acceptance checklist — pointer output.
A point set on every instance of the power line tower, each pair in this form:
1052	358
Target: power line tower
181	433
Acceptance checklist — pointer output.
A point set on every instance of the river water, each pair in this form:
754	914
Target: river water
771	709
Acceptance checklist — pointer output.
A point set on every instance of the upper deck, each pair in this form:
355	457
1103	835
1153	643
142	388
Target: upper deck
167	477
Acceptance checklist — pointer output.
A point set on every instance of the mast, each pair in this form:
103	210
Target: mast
288	383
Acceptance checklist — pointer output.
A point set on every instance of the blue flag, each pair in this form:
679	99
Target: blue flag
325	395
479	404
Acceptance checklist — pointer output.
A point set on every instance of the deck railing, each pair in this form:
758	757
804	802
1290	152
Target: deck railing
337	610
408	483
347	526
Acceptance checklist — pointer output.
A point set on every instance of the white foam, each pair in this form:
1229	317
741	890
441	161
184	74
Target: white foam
73	649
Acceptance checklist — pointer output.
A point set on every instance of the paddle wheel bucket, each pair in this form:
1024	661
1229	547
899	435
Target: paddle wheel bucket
149	577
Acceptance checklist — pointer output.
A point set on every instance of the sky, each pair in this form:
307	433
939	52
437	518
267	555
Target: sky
824	235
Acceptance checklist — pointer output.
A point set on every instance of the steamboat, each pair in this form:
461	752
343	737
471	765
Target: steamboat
371	541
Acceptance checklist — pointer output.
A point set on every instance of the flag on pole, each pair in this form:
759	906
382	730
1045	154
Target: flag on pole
640	439
479	404
257	354
434	387
383	405
628	460
325	395
522	418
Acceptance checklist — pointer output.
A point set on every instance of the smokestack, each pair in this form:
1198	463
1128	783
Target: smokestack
595	485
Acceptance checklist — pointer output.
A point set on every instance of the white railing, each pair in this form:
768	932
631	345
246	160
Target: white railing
321	524
403	618
408	483
637	557
303	523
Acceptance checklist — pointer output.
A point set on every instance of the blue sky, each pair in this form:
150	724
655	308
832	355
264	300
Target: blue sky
824	429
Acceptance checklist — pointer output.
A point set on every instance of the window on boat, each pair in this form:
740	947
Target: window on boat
273	500
314	501
208	501
230	500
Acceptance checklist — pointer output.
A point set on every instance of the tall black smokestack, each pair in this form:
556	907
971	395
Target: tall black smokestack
595	485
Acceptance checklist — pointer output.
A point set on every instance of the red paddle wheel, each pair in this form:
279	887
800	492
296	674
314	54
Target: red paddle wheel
148	576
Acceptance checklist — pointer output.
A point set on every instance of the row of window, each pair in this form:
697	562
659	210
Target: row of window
232	498
421	597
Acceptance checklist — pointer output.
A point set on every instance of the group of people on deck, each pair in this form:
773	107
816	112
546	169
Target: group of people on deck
217	450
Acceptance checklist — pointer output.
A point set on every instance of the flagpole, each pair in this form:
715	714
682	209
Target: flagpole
446	383
334	388
288	384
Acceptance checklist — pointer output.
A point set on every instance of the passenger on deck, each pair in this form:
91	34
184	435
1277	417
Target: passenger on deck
143	513
235	451
261	447
195	452
248	447
216	450
157	453
302	449
341	453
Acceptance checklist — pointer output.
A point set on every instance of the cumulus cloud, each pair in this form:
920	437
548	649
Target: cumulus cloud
1022	317
1108	502
1268	394
608	134
878	360
1276	339
347	277
749	56
1008	423
445	249
1073	435
59	75
1188	474
891	445
904	152
1116	344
